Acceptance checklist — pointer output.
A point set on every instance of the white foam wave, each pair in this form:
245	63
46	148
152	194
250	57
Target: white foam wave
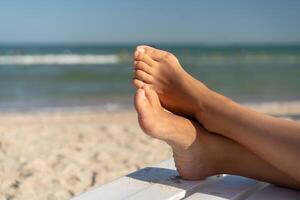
69	59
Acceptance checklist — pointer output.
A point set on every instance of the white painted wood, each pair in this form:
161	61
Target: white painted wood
230	187
161	181
158	182
275	193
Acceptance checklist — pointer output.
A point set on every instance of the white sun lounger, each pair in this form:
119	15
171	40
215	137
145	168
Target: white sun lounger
161	181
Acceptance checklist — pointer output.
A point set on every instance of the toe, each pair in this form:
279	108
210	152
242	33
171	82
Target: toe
155	54
146	115
142	104
143	66
141	48
137	83
143	76
140	56
153	97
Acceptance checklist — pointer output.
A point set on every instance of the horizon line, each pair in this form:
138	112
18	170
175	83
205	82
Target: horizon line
151	43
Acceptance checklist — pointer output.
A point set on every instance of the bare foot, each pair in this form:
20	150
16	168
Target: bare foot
192	156
177	90
197	152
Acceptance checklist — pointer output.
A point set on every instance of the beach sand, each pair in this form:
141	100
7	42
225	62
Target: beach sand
56	155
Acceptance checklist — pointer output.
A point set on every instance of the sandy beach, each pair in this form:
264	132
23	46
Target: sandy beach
56	155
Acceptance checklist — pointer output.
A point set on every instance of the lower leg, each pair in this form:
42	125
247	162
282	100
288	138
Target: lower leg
277	141
237	160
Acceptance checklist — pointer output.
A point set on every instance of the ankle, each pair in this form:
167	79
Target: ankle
199	95
204	101
211	109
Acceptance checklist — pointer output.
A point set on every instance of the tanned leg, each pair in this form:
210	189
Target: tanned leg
197	152
275	140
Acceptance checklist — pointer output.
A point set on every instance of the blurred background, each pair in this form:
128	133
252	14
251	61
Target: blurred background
78	54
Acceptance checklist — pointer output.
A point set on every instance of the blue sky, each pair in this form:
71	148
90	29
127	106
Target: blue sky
160	21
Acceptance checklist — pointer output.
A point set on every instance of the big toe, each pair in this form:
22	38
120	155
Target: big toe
155	54
153	98
142	104
146	114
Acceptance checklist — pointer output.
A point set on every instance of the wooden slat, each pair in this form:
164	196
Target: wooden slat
230	187
157	182
275	193
161	181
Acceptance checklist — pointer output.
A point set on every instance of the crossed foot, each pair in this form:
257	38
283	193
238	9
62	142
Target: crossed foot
195	150
184	136
163	83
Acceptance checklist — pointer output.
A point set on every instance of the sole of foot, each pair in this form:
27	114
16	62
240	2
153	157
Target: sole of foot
194	158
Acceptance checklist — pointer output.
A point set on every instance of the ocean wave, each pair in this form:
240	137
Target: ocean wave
243	59
69	59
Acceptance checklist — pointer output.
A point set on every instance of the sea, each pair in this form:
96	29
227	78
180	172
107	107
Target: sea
37	77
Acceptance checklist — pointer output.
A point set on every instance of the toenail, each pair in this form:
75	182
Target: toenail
136	53
141	49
